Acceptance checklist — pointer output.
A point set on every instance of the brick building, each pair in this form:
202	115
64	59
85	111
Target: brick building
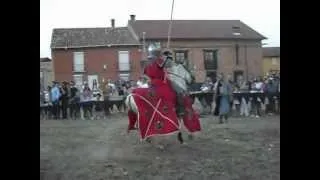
271	60
85	54
207	46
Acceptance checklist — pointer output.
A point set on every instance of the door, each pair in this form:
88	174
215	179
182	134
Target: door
78	80
91	79
212	75
236	75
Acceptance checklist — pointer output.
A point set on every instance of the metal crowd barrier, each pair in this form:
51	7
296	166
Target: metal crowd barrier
205	97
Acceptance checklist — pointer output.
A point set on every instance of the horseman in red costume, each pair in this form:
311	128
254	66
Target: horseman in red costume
156	106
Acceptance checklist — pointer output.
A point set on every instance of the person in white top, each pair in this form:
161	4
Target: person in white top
256	103
142	82
258	85
207	85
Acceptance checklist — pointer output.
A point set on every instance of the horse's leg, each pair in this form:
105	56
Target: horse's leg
132	112
180	138
148	140
179	135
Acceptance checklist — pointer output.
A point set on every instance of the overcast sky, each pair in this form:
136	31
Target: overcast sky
261	15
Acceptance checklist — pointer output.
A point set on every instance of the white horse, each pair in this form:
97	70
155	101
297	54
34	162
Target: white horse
179	76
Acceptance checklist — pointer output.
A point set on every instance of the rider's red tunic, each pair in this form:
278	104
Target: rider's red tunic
156	106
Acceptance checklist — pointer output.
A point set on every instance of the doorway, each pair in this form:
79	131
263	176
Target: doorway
91	79
236	75
212	75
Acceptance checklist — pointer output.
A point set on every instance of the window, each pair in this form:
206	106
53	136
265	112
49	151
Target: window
124	64
78	80
150	46
182	56
153	45
236	31
78	61
274	61
41	74
211	59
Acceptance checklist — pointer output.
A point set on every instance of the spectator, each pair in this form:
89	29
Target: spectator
55	95
74	101
223	93
87	101
64	99
48	110
112	86
143	82
121	90
232	85
140	81
207	85
271	90
258	85
243	86
106	92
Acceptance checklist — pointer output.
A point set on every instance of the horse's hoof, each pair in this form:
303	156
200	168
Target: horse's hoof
148	140
180	139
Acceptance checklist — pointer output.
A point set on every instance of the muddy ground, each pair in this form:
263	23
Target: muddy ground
246	148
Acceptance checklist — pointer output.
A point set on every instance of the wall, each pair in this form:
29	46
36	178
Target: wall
46	68
248	50
267	64
95	59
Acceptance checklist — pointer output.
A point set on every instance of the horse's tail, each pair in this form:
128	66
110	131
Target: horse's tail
131	104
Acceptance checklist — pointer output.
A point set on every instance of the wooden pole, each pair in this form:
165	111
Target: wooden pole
170	26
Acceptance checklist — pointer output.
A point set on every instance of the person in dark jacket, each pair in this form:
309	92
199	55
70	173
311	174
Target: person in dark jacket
64	100
74	101
271	90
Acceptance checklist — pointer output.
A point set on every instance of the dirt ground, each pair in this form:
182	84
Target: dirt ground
101	149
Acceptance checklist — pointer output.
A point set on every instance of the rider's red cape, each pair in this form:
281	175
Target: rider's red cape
156	106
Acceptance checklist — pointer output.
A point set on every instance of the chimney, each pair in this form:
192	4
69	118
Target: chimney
112	23
132	17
